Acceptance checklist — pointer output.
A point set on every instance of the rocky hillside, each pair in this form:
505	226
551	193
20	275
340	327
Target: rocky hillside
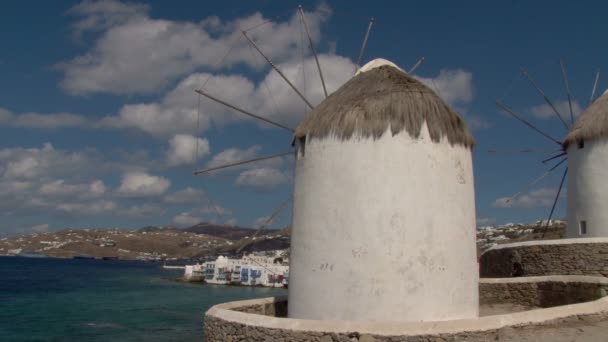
148	243
207	240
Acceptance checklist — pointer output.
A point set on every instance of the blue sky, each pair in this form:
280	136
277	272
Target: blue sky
98	118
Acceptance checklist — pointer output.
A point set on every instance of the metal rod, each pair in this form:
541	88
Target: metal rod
554	157
242	110
278	70
523	151
531	184
527	75
525	122
561	184
567	84
419	63
369	28
314	51
267	222
597	78
225	166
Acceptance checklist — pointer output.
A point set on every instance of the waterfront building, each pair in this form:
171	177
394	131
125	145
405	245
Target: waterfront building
250	270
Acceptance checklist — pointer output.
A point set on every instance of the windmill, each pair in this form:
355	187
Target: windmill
560	156
264	119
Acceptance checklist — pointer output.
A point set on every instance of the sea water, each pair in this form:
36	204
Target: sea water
43	299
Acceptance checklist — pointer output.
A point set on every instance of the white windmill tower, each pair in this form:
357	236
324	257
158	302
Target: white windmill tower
384	209
587	148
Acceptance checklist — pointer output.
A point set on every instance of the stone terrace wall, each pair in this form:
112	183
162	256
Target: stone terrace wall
544	292
584	256
257	320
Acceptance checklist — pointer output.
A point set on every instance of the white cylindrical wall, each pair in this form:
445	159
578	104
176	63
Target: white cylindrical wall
383	230
588	188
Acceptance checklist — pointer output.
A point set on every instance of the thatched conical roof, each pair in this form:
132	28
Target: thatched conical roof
384	97
592	124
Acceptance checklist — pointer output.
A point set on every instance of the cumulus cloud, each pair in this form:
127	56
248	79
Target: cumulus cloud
187	219
85	209
185	196
186	149
43	120
262	178
545	111
542	198
60	188
233	155
128	46
455	86
5	116
141	184
178	113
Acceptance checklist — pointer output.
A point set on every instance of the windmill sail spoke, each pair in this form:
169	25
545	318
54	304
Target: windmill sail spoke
277	70
597	78
418	64
225	166
567	84
272	216
524	151
525	122
542	93
243	111
312	48
561	184
534	182
369	28
554	157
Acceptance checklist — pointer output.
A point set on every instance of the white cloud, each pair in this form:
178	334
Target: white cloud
41	228
5	116
43	120
545	111
263	220
82	209
141	184
453	86
49	121
187	195
186	149
177	112
485	221
187	219
542	197
100	15
128	48
262	178
143	210
97	188
233	155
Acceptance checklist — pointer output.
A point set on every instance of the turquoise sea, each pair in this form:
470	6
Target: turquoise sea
45	299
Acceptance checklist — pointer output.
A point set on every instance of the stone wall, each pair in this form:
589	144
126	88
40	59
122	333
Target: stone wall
263	319
588	256
543	292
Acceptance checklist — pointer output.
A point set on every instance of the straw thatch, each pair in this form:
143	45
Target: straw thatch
592	124
380	98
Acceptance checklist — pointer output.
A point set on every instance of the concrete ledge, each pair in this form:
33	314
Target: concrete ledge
581	256
226	321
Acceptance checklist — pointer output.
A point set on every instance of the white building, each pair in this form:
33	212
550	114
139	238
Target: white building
384	209
587	148
251	270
